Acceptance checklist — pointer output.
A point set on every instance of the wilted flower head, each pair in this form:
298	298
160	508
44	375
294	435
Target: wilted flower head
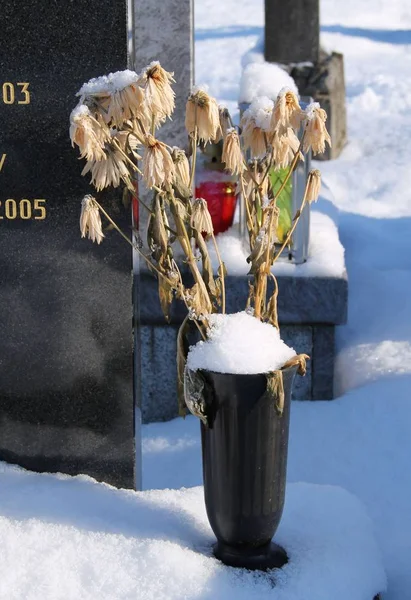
202	112
201	218
232	155
284	148
115	97
159	95
253	136
316	134
287	112
126	104
181	165
109	171
313	186
90	220
158	166
87	134
255	123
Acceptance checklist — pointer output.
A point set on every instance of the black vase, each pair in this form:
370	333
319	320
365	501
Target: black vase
244	447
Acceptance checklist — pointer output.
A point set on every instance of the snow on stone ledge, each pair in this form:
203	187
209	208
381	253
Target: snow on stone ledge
68	538
240	343
325	253
261	78
264	79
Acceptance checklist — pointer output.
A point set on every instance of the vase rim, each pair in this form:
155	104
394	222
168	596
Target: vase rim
282	370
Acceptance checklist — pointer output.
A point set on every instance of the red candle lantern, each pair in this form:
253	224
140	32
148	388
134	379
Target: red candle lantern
221	201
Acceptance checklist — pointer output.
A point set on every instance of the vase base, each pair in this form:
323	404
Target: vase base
262	558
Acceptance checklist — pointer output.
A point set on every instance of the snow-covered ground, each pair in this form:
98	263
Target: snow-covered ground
361	441
75	539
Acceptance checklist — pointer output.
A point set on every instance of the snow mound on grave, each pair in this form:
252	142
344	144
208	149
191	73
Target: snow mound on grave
69	538
264	79
240	343
325	252
261	78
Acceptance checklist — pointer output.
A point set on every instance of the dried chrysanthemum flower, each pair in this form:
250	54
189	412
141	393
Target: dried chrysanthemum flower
255	123
287	112
232	155
159	95
125	104
313	186
182	166
316	134
284	148
90	220
201	218
133	102
115	97
158	166
87	134
254	137
108	172
202	112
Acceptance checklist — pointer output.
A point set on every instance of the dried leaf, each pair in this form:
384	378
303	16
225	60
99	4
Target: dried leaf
251	295
275	388
258	253
194	384
207	271
182	351
222	272
126	197
271	314
181	191
165	293
300	360
157	235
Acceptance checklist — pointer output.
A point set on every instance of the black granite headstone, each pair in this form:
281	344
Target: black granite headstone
292	31
66	343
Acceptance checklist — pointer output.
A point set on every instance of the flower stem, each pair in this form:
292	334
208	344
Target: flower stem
295	223
123	235
194	158
222	274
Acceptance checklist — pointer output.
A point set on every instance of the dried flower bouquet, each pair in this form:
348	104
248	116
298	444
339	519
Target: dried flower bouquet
114	126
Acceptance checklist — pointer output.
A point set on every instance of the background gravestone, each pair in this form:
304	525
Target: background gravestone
66	344
292	38
163	31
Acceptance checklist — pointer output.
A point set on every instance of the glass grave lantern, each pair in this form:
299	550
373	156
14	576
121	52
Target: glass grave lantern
288	202
216	186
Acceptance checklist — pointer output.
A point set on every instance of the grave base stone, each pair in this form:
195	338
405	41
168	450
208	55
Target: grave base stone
309	309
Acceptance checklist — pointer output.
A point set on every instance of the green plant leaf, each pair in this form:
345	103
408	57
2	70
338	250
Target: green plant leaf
284	201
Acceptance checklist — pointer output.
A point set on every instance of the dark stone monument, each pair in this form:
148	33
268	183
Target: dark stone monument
292	38
292	31
66	337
